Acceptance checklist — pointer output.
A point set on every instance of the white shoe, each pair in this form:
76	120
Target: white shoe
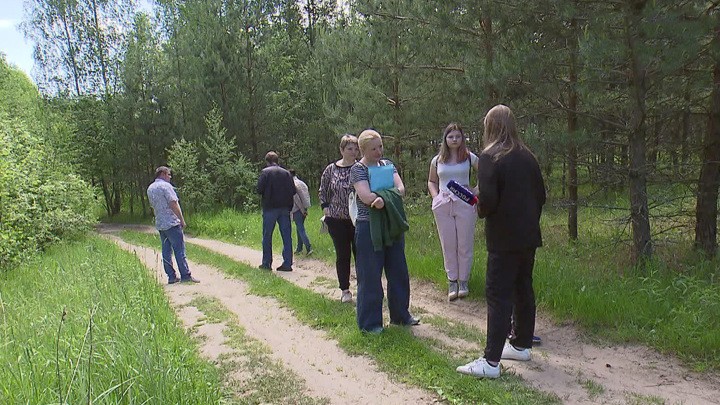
452	290
346	296
511	353
480	368
463	289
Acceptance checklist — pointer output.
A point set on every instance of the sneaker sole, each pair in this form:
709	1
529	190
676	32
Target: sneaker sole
468	373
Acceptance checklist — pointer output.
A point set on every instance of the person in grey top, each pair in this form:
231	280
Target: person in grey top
301	203
169	221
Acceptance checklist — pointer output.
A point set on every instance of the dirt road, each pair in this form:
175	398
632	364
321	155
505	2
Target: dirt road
576	371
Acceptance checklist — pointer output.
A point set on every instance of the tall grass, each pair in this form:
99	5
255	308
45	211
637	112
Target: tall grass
673	305
85	323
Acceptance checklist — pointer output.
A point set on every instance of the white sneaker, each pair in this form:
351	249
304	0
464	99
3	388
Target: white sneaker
452	290
480	368
511	353
463	289
346	296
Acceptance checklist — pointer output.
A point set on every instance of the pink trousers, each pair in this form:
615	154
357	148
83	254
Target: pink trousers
455	222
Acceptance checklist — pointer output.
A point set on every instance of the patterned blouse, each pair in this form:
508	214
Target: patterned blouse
335	189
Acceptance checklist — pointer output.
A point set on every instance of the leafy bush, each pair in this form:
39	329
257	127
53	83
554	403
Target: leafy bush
39	203
41	200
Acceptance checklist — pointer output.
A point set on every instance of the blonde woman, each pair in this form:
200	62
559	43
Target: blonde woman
455	219
389	254
512	194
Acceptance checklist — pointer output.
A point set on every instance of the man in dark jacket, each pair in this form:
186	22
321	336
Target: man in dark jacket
276	188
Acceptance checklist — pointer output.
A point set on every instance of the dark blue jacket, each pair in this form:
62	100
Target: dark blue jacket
276	187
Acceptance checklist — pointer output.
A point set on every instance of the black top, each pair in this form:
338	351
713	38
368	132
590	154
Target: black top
276	187
512	194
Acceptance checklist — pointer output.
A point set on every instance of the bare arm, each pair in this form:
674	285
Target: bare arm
362	188
175	207
476	165
433	181
399	184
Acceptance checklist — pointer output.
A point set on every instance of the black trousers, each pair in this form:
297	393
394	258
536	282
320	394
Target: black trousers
509	292
342	232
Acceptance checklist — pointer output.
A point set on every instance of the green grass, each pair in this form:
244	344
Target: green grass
593	388
396	351
673	305
85	323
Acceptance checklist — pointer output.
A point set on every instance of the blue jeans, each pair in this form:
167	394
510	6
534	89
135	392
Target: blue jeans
281	216
302	237
173	241
369	266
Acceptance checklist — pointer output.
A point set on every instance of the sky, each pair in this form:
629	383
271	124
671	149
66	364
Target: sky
17	50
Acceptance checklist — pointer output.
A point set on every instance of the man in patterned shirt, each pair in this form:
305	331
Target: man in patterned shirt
170	222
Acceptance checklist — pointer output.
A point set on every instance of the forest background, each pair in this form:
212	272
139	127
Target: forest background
620	101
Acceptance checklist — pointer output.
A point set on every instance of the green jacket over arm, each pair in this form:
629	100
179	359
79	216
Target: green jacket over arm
387	225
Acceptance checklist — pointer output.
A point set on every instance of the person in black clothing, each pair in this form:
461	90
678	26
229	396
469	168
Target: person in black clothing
512	194
277	189
334	190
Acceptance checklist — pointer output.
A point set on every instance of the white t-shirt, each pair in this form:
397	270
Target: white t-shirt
459	172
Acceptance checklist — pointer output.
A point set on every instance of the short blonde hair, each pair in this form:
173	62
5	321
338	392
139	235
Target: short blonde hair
366	136
348	139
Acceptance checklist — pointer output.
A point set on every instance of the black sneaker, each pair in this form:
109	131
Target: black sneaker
189	280
173	280
284	268
264	267
410	322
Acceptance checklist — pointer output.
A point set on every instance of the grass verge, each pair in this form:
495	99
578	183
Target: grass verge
85	323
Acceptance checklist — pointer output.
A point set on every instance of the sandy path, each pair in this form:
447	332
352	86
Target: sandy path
562	365
328	371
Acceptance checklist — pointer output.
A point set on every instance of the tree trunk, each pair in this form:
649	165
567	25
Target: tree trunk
106	194
100	48
639	215
486	24
250	89
706	209
71	52
572	121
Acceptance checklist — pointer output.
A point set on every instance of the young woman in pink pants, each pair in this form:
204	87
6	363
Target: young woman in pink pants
454	218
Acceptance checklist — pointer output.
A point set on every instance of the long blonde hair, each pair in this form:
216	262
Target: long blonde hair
500	136
444	153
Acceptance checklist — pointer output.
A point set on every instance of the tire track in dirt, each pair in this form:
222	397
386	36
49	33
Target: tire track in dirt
328	371
563	365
